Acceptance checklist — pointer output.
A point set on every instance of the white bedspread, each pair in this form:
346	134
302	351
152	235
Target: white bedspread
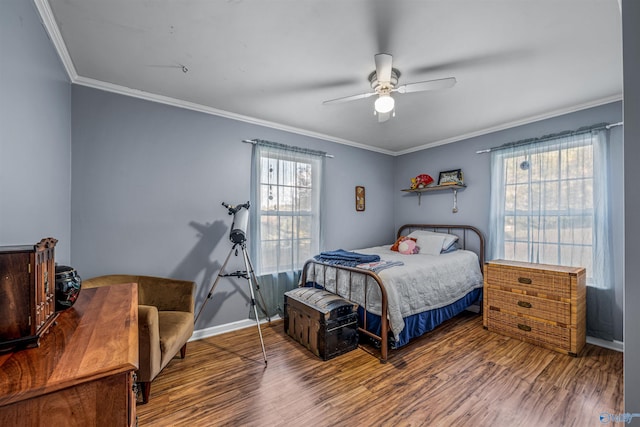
423	283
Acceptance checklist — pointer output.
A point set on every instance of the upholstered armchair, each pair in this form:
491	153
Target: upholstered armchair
165	321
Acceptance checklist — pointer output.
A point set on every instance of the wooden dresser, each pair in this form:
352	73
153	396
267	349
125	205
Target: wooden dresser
537	303
82	373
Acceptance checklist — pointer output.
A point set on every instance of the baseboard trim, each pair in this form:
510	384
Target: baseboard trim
611	345
248	323
227	327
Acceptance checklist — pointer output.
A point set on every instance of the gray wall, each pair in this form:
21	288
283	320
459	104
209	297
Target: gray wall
473	201
149	179
631	53
35	133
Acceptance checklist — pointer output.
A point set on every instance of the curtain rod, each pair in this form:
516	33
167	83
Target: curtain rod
550	137
303	150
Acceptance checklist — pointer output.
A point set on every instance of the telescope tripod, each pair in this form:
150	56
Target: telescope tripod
250	276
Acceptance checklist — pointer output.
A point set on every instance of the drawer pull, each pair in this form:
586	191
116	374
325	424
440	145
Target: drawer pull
524	327
524	280
524	304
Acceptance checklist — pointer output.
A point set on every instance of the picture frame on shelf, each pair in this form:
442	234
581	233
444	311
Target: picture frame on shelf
360	198
452	177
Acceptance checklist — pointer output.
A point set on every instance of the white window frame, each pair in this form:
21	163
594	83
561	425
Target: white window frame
297	259
500	236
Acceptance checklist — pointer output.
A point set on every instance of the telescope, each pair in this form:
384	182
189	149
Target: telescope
238	234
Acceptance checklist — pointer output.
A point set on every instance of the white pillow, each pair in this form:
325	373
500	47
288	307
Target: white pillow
430	244
449	239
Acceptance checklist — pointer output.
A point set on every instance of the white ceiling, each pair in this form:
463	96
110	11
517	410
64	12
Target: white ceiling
273	62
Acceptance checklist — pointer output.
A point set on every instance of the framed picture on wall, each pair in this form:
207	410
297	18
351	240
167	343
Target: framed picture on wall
452	177
360	202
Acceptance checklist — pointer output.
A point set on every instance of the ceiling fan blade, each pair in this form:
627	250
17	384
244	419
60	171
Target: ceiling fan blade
349	98
383	117
426	85
384	63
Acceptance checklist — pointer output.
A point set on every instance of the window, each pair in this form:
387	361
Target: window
287	208
543	202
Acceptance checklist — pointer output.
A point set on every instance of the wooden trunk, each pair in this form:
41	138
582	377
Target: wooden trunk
27	293
321	321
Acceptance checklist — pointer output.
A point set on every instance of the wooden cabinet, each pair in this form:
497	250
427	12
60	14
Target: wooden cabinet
82	374
537	303
27	292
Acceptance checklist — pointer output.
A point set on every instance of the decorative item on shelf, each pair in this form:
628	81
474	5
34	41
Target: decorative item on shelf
452	177
68	284
421	181
360	198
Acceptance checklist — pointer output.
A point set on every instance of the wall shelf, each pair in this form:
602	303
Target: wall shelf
452	188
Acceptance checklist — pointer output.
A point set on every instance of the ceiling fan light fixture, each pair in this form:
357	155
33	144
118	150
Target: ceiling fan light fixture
384	104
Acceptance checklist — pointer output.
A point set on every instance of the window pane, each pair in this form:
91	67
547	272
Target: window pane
286	228
517	251
304	251
286	255
268	255
577	256
267	171
547	254
287	172
305	201
521	197
576	229
269	227
544	166
267	199
522	228
580	192
509	227
303	177
286	199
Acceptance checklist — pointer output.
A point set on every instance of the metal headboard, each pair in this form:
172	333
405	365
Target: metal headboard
465	235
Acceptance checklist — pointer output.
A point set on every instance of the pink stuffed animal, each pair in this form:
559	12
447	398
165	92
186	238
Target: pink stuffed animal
408	247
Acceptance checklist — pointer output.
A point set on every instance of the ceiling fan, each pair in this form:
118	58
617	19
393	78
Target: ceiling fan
384	81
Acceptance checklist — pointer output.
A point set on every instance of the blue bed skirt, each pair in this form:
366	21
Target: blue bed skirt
421	323
417	324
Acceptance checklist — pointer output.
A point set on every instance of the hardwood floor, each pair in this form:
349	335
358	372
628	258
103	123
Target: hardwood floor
457	375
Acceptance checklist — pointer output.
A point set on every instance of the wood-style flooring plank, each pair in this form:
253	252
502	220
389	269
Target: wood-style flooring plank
460	374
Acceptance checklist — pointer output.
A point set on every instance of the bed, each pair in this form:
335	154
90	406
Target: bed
397	303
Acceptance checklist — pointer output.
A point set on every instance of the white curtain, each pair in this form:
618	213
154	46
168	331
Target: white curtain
549	204
286	191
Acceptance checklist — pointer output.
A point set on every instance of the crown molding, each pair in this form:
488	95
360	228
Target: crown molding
136	93
509	125
49	23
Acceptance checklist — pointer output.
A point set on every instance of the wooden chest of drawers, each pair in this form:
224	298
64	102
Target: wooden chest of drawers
537	303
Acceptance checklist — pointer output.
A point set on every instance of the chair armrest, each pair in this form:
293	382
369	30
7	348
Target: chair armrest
167	294
150	356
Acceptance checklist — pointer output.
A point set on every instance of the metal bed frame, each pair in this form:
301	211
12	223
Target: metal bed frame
462	231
